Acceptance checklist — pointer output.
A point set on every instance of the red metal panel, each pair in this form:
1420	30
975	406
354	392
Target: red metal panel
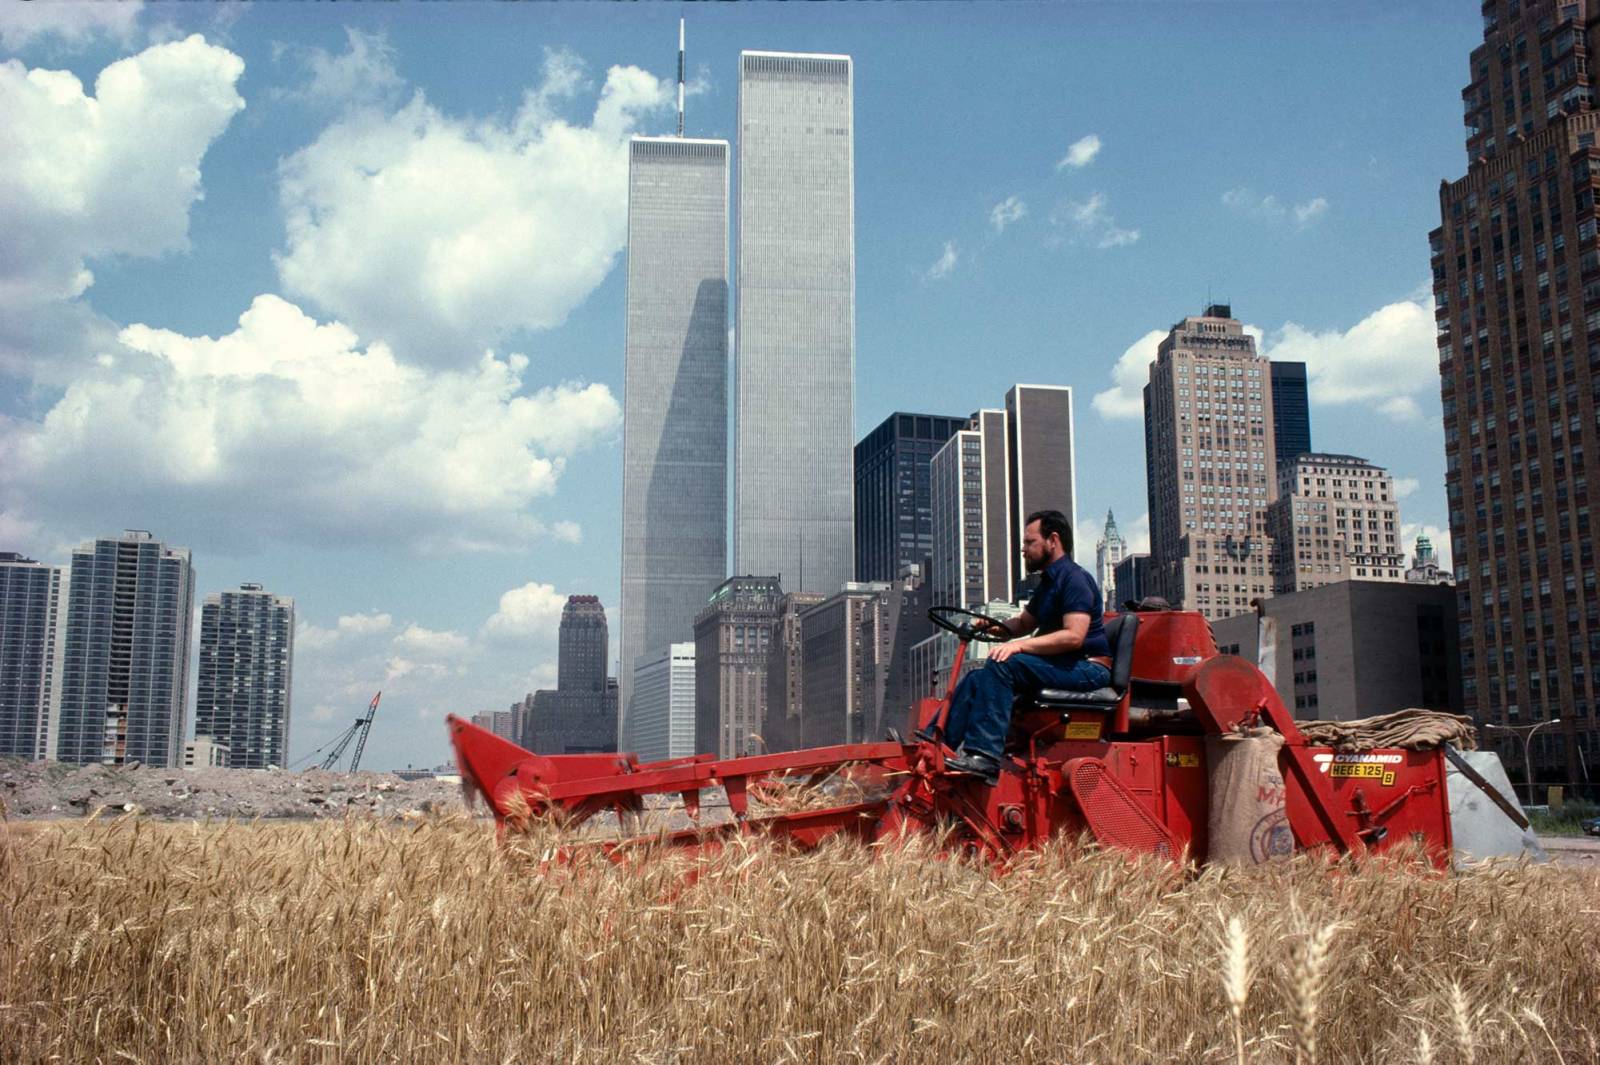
1186	798
1170	645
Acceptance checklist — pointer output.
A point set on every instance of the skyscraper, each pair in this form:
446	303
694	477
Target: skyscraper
663	718
1518	312
731	638
1109	551
1335	519
795	309
970	493
125	673
246	672
1211	466
675	394
1291	411
894	517
33	613
1043	466
580	715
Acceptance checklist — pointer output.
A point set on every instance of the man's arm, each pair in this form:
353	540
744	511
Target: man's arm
1064	640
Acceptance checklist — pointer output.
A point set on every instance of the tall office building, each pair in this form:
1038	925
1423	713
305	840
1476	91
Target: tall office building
675	392
785	690
663	719
969	491
1518	312
795	365
1109	551
125	673
1043	464
1211	466
33	612
731	637
1335	518
1291	412
1131	580
246	674
894	515
580	715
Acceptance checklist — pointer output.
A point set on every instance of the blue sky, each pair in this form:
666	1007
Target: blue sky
332	294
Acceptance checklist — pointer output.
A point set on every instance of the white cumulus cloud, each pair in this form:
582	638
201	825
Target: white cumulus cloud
945	263
287	429
431	643
1080	153
1007	211
1405	486
112	173
533	610
439	234
362	75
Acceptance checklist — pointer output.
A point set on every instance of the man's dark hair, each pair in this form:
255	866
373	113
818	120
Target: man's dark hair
1052	521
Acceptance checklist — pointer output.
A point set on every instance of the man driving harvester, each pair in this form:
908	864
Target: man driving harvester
1069	650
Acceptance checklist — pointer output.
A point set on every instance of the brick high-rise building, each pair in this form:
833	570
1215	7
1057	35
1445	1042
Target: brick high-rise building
1335	519
1516	276
246	675
731	638
1210	466
894	508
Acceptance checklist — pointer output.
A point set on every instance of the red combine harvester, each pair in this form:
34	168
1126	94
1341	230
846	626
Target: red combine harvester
1127	764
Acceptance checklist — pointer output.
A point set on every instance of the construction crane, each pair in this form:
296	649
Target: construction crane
358	732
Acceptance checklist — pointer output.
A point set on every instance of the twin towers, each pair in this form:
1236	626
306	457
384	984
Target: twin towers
793	347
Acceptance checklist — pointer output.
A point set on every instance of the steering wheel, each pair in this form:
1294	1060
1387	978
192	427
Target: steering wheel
943	616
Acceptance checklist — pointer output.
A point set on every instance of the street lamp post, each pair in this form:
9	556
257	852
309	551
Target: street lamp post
1527	732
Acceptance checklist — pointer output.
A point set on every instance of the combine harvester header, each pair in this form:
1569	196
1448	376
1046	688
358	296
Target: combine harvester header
1187	754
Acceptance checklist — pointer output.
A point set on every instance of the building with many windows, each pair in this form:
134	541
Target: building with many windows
675	391
894	504
1042	465
1335	519
1132	579
580	715
731	638
125	668
662	725
794	408
1211	465
33	612
1516	286
969	490
1109	551
1291	411
246	675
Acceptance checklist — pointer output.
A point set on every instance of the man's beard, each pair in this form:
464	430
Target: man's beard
1032	565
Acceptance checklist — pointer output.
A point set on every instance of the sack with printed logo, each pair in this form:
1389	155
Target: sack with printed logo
1249	822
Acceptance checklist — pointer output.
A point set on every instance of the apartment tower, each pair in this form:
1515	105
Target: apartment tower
125	669
675	392
33	612
795	365
1210	466
1516	283
246	670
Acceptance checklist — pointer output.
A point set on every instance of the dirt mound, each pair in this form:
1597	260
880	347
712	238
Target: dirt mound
31	790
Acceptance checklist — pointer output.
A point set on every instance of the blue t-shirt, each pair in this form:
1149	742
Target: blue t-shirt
1066	588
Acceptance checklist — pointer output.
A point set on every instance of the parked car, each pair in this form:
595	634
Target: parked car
1591	827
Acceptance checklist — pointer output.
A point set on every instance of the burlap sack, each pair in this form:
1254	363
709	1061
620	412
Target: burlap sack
1248	822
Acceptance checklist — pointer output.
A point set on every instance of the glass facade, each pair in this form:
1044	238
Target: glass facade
794	375
675	396
1291	412
125	670
246	673
894	515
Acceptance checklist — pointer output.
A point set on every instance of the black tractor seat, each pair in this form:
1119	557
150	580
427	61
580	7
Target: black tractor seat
1120	631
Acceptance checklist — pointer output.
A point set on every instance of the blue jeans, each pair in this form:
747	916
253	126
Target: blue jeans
980	713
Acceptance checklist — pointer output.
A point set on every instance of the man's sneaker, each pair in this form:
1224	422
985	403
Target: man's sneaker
974	764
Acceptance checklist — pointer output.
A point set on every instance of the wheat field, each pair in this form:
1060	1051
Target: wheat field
365	942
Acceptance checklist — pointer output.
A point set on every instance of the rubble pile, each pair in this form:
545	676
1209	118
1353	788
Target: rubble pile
32	790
